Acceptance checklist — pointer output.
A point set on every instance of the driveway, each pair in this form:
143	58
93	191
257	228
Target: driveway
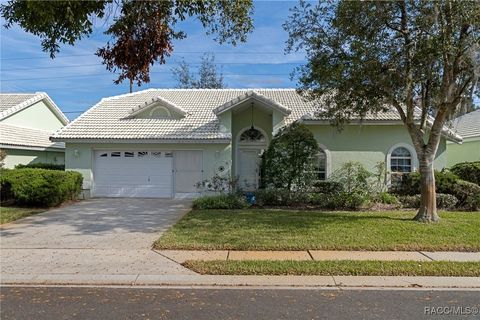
96	236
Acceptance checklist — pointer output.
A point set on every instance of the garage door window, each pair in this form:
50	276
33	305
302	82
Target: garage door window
116	154
156	154
142	154
104	155
129	154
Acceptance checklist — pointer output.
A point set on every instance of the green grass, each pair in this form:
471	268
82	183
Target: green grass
337	268
9	214
301	230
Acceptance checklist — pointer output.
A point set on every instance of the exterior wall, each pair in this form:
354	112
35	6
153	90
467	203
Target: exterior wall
367	144
469	151
37	116
18	156
79	157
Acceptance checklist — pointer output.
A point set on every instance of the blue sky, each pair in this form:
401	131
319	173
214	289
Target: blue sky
76	79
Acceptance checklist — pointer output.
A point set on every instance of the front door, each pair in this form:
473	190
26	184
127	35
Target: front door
248	169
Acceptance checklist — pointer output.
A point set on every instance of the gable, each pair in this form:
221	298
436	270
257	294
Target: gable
38	116
157	108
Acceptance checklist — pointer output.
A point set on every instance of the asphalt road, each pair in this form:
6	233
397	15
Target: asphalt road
159	303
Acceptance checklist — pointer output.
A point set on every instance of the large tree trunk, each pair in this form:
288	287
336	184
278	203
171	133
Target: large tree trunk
428	204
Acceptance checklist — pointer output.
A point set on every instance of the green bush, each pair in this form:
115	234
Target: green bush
468	171
49	166
468	195
353	177
386	198
410	184
444	201
41	187
279	197
341	200
222	201
328	187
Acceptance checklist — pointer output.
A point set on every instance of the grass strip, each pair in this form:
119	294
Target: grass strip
337	268
9	214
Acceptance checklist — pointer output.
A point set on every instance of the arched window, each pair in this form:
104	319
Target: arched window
321	165
252	135
160	112
401	160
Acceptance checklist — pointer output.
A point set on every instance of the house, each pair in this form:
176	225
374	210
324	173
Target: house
468	127
161	142
27	120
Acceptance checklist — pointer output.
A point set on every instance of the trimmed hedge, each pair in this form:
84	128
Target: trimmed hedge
49	166
40	187
410	184
468	171
444	201
222	201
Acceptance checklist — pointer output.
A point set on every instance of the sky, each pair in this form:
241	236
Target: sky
76	79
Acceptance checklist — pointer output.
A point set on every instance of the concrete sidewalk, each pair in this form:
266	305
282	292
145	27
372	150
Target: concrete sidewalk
181	256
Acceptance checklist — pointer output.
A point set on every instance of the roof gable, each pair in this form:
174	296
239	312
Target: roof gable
251	94
156	102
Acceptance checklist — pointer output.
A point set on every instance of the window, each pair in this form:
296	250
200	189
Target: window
252	135
116	154
321	170
129	154
156	154
160	112
142	154
401	160
103	155
168	154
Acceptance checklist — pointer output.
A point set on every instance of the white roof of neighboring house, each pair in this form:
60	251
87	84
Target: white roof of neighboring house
111	118
15	136
11	103
468	125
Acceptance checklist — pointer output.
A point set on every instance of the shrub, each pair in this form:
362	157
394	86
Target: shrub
41	187
49	166
289	161
353	177
468	194
3	155
444	183
386	198
469	171
444	201
328	187
278	197
222	201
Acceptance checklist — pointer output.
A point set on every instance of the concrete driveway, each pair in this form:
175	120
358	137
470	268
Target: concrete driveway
96	236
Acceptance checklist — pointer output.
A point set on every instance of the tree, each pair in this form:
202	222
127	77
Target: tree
419	57
209	77
289	160
141	34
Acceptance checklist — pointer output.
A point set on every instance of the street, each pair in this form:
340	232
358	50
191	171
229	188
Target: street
228	303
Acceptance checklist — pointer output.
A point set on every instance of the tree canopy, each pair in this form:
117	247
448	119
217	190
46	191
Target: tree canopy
142	32
421	58
209	76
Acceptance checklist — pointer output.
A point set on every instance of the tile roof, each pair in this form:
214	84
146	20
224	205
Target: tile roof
109	118
11	103
468	125
16	136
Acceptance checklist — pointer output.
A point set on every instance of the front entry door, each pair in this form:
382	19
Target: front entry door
248	169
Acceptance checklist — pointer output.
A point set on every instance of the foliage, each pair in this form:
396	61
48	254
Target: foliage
141	34
327	186
9	214
469	171
444	201
39	165
386	198
468	194
3	155
223	201
281	198
419	58
209	77
353	177
40	187
222	184
289	161
410	184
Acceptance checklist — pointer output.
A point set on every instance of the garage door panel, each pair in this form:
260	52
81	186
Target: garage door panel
188	170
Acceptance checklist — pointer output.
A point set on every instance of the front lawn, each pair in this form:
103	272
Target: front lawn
337	268
259	229
9	214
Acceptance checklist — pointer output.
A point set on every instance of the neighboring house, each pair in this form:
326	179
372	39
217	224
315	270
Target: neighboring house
27	120
160	143
468	127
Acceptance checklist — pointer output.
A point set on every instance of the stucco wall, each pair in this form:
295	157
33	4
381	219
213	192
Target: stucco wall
38	116
79	157
469	150
17	156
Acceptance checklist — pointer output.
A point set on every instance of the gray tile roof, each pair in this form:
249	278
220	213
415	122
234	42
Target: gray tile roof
468	125
109	119
16	136
11	103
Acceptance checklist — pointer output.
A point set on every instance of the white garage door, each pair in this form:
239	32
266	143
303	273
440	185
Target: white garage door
188	171
124	173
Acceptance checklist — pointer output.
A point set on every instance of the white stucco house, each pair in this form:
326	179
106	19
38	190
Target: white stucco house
161	142
27	120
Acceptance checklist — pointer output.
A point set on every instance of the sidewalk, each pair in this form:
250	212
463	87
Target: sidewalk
180	256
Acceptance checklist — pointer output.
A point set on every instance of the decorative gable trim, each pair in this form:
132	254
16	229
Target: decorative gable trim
251	95
27	103
154	102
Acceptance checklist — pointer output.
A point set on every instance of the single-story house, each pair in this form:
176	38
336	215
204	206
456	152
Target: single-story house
27	120
468	127
161	142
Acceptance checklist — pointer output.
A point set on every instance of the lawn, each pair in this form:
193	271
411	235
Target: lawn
9	214
337	268
300	230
